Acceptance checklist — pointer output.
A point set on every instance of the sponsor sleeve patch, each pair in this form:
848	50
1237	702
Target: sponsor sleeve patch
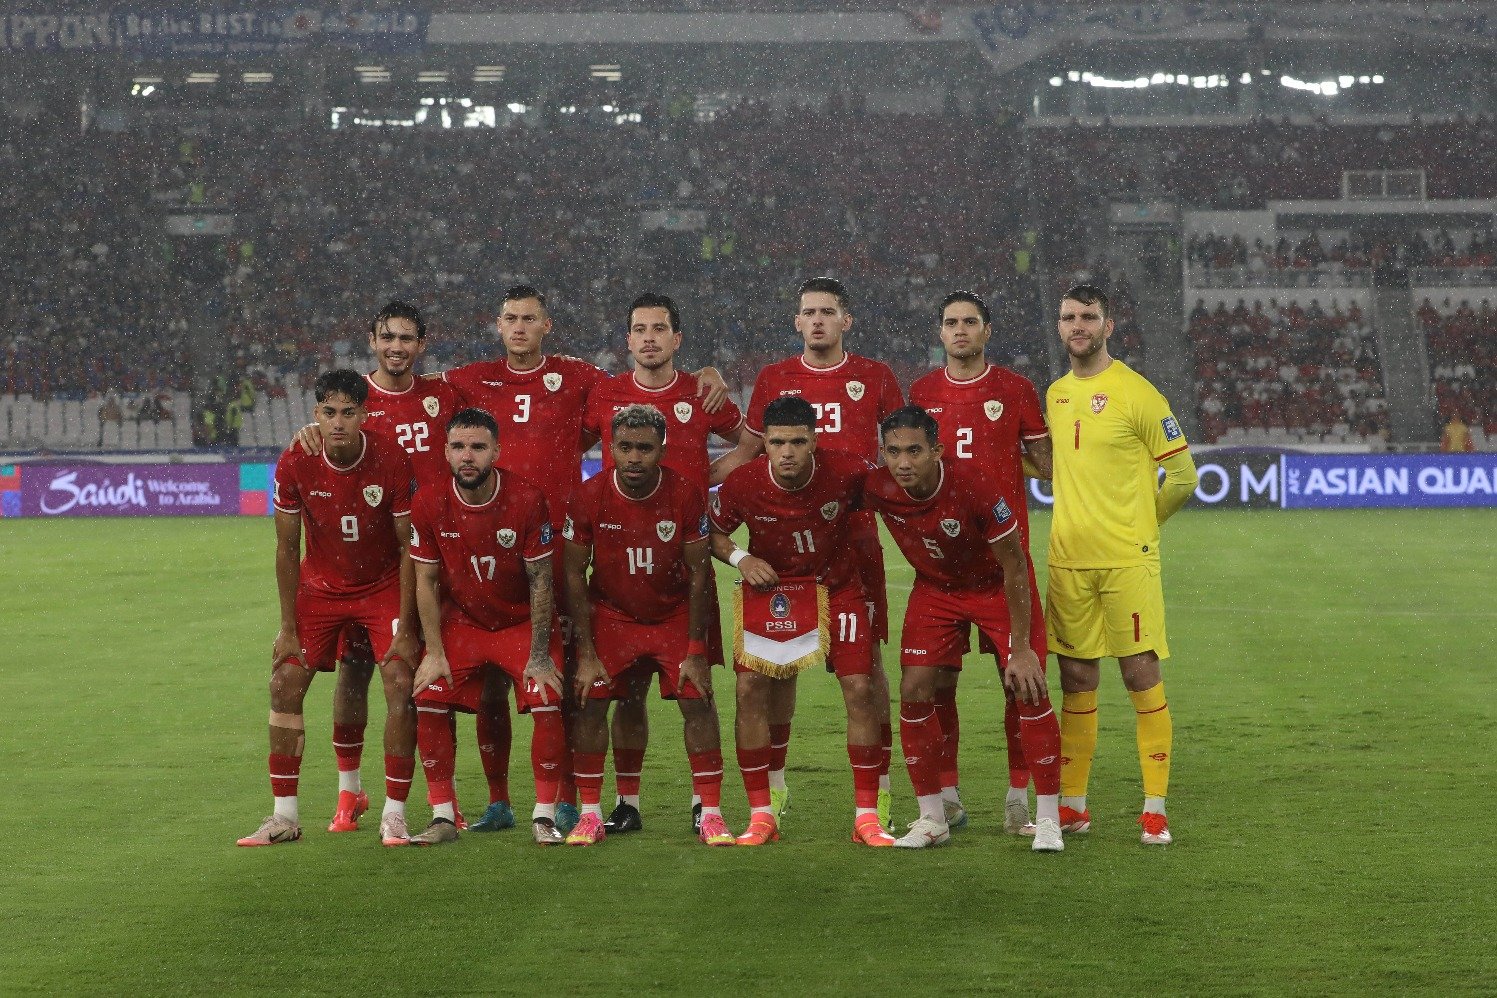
545	533
1171	428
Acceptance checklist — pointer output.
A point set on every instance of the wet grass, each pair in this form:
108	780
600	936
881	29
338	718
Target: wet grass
1332	685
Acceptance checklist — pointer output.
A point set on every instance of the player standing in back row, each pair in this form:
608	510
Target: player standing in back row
850	395
1113	431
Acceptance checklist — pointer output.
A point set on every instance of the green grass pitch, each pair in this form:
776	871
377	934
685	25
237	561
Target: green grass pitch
1332	685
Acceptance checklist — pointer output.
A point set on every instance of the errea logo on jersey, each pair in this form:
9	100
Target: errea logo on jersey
321	495
789	391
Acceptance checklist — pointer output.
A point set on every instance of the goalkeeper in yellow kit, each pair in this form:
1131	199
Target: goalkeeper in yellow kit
1112	431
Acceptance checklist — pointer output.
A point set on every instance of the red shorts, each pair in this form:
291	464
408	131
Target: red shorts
851	652
630	650
938	625
353	645
868	555
472	649
1037	638
321	621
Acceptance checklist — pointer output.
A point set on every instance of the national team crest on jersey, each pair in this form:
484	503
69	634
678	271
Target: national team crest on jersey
505	537
665	530
855	390
683	411
951	527
373	494
829	511
993	409
432	405
779	606
552	381
568	529
1099	402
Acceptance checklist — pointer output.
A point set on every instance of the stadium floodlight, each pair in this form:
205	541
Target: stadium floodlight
257	77
369	69
148	79
1142	81
1074	76
515	107
610	71
202	77
1246	79
432	76
1345	81
488	74
1158	78
1055	81
1364	79
1377	79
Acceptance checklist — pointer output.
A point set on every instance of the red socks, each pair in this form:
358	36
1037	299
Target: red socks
399	771
348	745
707	776
886	742
951	734
588	775
755	764
1040	731
285	773
866	760
627	764
548	754
494	736
438	753
1018	768
779	746
920	737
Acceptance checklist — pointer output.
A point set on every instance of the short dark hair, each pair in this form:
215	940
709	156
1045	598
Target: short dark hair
473	419
1087	294
966	296
827	285
789	410
349	384
652	300
911	417
638	417
523	292
399	310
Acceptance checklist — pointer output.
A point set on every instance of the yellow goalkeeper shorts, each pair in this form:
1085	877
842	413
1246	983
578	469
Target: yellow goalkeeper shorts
1105	612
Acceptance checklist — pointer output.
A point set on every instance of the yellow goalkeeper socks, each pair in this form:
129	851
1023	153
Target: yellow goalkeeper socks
1155	737
1078	741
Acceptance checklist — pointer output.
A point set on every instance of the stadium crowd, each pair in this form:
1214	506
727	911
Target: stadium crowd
1462	342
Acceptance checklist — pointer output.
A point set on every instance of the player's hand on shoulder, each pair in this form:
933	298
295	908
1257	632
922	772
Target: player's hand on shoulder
309	438
711	389
589	671
433	667
1024	677
541	672
696	671
757	573
286	647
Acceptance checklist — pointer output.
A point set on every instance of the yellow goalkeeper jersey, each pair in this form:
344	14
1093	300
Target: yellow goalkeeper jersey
1110	432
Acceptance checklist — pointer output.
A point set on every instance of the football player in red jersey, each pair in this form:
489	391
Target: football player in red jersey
797	502
850	395
993	425
962	538
355	502
644	529
654	338
482	548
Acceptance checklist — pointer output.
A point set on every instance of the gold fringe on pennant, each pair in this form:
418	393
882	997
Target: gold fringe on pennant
776	670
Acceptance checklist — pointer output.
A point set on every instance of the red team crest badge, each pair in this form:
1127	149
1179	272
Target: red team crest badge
951	527
829	511
683	411
666	529
855	390
1099	402
432	405
993	409
551	381
505	537
373	494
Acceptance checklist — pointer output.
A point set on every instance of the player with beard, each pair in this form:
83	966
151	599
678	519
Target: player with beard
654	339
850	395
990	424
482	549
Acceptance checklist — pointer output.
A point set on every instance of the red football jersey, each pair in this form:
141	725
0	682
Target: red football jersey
983	423
482	550
800	533
687	424
945	537
850	399
540	418
416	420
639	545
348	514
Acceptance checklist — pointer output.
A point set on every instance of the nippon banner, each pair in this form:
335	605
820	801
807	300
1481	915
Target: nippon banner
166	30
52	490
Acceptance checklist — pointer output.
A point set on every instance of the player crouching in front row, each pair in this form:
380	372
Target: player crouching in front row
482	549
644	529
970	568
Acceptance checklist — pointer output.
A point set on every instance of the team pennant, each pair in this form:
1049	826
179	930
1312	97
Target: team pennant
783	631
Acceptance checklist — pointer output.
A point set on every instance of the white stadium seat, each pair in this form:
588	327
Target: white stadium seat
129	435
111	436
53	432
146	435
72	424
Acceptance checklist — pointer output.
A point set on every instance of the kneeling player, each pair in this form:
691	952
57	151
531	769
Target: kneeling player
355	501
797	502
486	541
970	568
644	528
